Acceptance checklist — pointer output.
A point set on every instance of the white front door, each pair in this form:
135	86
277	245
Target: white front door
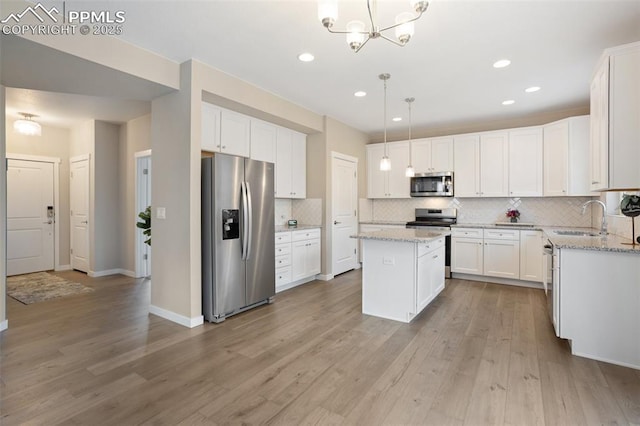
30	217
79	203
344	219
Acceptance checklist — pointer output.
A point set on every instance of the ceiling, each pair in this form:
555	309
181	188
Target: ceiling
447	66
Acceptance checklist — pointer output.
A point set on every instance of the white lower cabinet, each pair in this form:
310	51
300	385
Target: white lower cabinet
297	257
467	251
430	279
531	268
503	253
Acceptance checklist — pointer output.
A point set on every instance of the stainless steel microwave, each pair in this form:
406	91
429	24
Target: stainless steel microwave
439	184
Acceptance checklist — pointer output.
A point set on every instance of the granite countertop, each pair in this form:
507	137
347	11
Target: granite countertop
610	242
300	227
403	235
499	225
383	222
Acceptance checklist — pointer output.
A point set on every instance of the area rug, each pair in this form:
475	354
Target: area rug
41	286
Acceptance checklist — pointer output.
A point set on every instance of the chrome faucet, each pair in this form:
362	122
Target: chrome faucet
603	225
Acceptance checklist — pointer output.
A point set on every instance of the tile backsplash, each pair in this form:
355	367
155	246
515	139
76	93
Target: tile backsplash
547	211
307	211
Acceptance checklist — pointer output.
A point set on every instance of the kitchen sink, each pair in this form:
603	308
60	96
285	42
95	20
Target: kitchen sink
577	233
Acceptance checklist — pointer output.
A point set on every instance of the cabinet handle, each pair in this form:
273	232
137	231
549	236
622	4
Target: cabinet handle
594	181
224	147
435	257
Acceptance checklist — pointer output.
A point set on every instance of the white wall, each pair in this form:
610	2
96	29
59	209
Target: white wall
106	230
54	142
135	136
3	216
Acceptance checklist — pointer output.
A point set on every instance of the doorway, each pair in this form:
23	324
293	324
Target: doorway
143	200
32	200
344	212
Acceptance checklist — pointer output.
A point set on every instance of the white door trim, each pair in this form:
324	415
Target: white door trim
340	156
140	248
56	199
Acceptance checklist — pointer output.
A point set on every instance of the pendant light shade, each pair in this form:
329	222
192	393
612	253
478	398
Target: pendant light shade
409	172
385	163
26	125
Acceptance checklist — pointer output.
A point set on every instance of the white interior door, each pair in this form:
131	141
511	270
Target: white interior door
30	217
344	220
79	203
143	199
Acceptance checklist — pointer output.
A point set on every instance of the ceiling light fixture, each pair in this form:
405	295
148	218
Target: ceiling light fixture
306	57
360	94
358	36
532	89
501	63
508	102
26	125
396	119
409	172
385	163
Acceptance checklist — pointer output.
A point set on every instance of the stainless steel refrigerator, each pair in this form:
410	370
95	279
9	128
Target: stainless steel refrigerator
238	235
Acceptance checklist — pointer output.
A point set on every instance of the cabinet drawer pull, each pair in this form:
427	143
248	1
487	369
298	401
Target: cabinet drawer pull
435	257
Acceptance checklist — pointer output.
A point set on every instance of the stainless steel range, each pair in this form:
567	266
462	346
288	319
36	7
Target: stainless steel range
437	220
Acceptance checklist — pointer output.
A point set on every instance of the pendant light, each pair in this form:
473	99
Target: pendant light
385	163
26	125
409	172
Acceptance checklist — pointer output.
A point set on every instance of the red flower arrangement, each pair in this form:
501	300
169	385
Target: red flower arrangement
513	213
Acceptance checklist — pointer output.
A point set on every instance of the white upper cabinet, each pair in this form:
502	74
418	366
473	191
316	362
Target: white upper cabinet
432	155
615	120
566	158
210	127
494	164
466	167
225	131
525	162
263	141
392	183
291	160
235	133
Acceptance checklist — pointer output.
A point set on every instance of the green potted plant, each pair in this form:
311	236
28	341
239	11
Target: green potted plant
145	224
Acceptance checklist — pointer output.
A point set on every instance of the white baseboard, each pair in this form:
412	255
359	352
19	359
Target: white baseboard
177	318
4	325
497	280
96	274
63	268
324	277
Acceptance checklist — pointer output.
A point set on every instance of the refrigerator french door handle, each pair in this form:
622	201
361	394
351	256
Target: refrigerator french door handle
250	220
245	220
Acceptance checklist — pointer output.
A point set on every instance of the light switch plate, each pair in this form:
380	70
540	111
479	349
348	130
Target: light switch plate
388	260
161	213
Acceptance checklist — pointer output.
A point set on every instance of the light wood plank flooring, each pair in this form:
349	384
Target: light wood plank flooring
480	354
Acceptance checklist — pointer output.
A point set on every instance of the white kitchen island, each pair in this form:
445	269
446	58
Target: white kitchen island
403	271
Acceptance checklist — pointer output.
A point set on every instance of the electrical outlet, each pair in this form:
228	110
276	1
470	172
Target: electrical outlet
386	260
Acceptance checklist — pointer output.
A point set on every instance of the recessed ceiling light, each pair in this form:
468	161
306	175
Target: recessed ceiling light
501	63
360	94
396	119
509	102
532	89
306	57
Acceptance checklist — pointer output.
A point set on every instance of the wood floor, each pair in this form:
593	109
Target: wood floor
480	354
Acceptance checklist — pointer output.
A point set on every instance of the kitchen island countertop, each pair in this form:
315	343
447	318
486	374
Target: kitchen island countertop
403	235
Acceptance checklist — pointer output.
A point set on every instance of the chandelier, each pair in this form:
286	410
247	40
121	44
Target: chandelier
358	36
